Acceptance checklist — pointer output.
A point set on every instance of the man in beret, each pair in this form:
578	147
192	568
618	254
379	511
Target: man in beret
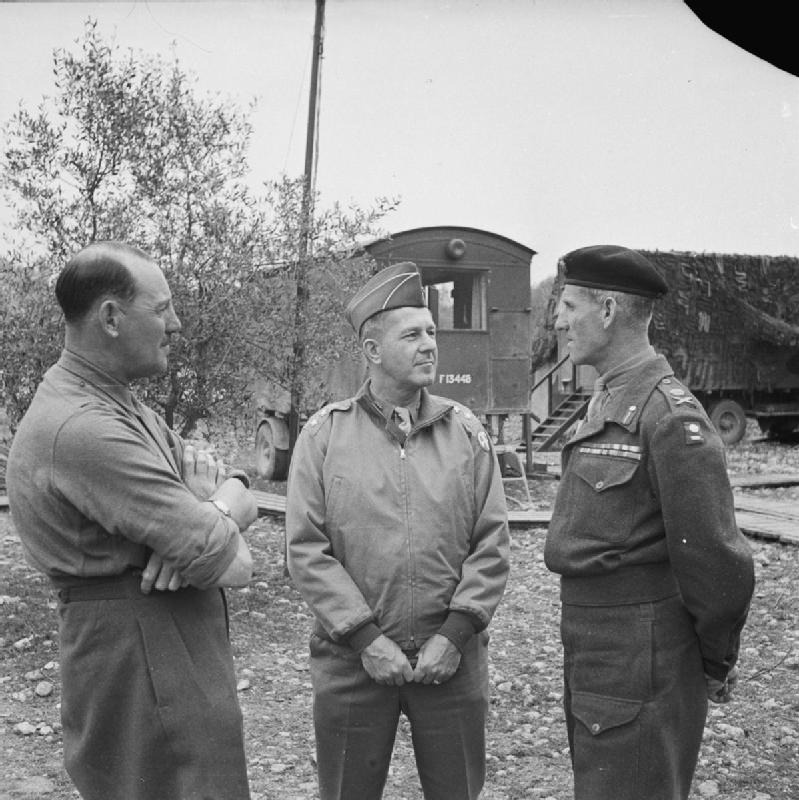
398	540
138	533
656	578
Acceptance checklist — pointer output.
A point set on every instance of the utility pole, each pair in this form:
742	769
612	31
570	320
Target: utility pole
306	228
312	133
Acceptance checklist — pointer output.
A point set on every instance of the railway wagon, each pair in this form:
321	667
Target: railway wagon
478	290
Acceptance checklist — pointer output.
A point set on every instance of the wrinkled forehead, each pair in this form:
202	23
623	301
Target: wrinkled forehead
407	317
577	295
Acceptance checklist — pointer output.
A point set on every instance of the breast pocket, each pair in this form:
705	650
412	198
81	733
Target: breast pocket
610	498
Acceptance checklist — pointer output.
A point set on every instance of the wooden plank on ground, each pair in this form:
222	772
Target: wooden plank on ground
763	527
768	519
764	481
269	503
756	516
529	517
765	505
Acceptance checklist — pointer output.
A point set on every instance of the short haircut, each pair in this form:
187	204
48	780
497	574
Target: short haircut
373	327
95	272
636	307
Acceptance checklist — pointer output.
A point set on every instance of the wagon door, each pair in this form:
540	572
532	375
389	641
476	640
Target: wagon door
457	301
509	324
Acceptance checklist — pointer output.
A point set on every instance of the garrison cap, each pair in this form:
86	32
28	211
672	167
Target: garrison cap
609	266
393	287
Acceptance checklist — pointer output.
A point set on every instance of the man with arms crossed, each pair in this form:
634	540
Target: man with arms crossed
656	578
398	540
137	532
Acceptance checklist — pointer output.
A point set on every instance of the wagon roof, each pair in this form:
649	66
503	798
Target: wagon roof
446	231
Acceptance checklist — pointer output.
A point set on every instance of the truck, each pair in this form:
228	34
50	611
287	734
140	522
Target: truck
726	325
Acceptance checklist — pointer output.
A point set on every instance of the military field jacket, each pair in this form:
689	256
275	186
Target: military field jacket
394	532
645	510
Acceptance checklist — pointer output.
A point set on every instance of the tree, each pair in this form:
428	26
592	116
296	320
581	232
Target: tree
129	150
545	340
30	334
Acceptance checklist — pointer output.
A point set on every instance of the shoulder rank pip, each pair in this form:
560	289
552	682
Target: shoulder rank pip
677	395
314	424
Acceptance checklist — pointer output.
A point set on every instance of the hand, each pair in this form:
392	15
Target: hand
160	575
721	691
438	660
241	501
385	663
202	473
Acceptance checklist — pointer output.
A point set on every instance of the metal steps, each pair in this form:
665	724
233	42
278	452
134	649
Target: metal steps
564	415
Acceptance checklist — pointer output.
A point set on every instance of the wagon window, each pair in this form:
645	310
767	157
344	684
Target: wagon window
457	300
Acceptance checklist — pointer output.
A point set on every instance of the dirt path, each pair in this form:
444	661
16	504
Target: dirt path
751	749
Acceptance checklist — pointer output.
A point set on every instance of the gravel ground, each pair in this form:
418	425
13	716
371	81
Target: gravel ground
750	750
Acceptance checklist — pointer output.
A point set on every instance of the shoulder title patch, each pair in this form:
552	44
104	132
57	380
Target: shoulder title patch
693	433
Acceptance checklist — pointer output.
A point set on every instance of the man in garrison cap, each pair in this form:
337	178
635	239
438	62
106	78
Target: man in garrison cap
656	579
398	540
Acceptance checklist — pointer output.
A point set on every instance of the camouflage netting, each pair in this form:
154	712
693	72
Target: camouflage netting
767	328
725	316
707	281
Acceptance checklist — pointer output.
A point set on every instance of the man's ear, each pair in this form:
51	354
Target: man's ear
371	350
609	309
109	315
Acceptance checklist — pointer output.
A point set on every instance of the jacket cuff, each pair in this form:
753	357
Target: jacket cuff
363	636
716	671
459	627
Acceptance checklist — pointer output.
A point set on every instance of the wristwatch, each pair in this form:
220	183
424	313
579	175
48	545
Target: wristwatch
222	506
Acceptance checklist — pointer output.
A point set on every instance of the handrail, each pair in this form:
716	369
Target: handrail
548	378
551	371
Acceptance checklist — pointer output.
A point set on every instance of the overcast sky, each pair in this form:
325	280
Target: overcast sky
557	123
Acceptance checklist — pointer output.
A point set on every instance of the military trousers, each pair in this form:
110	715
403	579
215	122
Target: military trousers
355	721
149	706
635	699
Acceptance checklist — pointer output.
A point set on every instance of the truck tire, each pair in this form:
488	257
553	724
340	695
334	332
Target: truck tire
272	460
729	420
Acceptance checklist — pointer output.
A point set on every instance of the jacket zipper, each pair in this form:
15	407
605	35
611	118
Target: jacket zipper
411	560
409	532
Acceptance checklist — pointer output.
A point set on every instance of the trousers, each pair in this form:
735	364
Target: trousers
635	699
149	706
355	721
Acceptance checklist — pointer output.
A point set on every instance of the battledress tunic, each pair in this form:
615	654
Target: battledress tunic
656	581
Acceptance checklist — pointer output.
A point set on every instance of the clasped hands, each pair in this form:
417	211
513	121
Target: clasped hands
385	662
721	691
207	478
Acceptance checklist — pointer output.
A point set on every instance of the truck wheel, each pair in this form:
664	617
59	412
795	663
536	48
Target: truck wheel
729	420
271	461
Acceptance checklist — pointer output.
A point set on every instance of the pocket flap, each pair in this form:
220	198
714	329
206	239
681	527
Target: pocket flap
599	712
604	473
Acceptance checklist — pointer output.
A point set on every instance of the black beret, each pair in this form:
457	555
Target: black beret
393	287
609	266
